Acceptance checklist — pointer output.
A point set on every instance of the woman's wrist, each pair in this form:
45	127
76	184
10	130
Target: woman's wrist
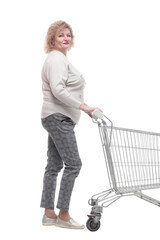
81	107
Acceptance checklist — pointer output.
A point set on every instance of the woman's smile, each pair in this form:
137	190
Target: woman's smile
66	43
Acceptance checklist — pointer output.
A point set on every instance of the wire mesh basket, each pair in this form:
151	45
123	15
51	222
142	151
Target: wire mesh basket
133	164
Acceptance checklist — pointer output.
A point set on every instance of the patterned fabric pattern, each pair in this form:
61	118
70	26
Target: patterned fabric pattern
62	151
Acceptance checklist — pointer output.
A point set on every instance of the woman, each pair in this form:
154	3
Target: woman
62	103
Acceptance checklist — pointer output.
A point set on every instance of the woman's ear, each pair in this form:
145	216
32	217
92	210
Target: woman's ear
52	43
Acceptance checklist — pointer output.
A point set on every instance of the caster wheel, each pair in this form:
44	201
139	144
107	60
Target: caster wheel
92	226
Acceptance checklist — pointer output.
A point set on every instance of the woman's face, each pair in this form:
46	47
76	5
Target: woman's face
63	40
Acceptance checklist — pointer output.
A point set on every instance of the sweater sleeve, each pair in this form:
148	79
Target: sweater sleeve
57	72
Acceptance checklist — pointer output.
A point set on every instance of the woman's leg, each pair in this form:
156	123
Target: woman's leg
61	129
54	165
73	164
65	141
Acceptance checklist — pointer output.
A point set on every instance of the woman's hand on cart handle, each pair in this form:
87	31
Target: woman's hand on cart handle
87	109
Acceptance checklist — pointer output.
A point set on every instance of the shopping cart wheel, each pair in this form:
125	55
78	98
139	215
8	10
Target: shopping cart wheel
92	226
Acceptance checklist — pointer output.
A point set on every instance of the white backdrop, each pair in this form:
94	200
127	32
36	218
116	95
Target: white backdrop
117	50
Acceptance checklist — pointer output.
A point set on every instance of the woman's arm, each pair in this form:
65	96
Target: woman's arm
57	73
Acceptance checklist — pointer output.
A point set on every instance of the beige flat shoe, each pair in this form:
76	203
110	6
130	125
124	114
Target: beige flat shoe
72	224
49	221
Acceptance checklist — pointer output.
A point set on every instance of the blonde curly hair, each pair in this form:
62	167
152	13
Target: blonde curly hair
52	31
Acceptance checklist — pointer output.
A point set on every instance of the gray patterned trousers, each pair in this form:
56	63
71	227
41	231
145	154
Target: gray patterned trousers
62	150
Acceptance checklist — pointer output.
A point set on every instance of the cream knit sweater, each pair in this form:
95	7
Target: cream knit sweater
62	87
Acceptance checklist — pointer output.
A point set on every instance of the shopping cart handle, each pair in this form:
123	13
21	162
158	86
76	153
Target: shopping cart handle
97	114
100	118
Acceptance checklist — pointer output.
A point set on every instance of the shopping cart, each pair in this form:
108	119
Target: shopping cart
133	164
